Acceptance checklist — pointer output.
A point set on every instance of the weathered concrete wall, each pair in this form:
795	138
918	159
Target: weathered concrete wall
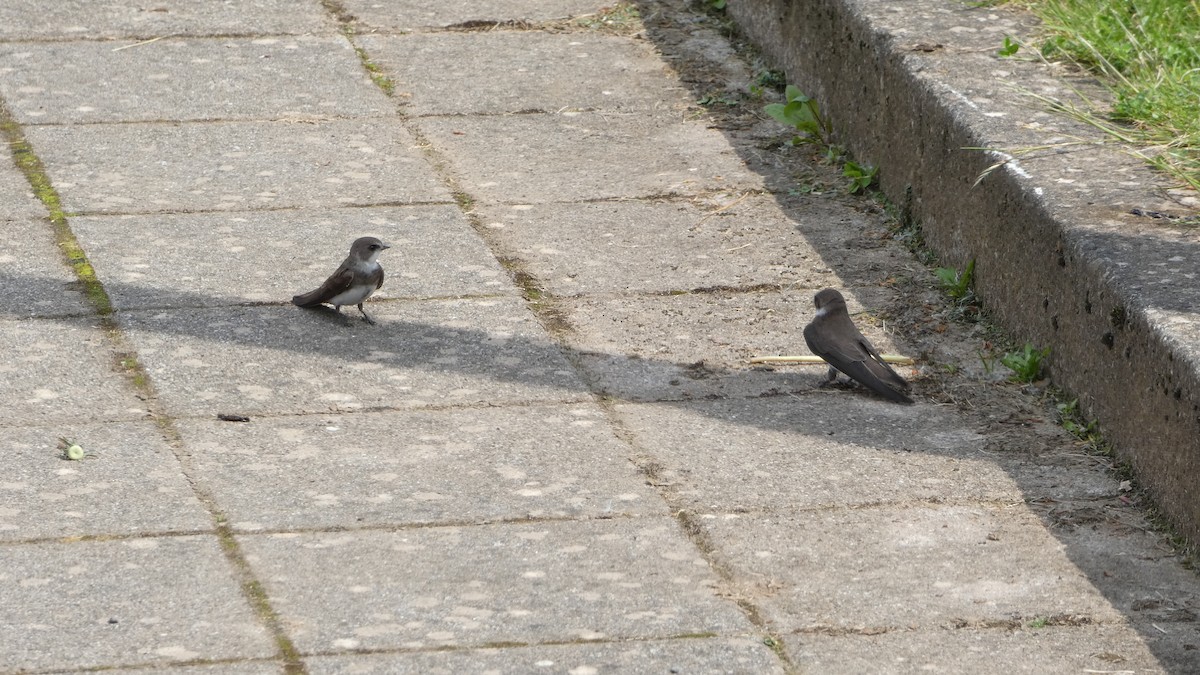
1061	261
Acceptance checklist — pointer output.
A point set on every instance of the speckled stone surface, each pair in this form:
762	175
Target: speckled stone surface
550	454
536	582
847	570
735	241
416	14
1021	650
292	360
62	370
593	72
836	448
188	79
693	655
465	465
234	166
133	601
34	274
577	156
67	19
128	482
187	260
17	196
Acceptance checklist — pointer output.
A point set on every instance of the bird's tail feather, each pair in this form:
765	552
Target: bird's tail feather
306	300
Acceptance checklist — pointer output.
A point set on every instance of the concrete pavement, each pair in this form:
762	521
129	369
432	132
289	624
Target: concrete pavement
551	454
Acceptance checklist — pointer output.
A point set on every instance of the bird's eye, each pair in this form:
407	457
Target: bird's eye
373	247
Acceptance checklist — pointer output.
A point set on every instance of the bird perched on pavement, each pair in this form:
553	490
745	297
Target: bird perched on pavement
359	276
832	336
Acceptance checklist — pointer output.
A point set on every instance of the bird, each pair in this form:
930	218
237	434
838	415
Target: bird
359	275
832	336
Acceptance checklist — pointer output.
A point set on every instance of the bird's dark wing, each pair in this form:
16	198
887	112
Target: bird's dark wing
337	282
377	277
858	359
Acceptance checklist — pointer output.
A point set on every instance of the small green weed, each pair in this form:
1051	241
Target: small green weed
710	100
768	79
802	114
862	176
834	154
1009	48
988	360
1072	420
1026	364
1039	622
957	284
715	4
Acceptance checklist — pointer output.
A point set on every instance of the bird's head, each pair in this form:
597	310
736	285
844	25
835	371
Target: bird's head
828	300
367	249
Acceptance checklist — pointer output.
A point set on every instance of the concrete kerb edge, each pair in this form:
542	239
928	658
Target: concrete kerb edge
1042	280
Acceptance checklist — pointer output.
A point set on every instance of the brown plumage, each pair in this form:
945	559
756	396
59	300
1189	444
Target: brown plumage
359	275
833	336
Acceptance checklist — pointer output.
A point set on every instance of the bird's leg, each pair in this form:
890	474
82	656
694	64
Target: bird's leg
830	377
364	313
345	319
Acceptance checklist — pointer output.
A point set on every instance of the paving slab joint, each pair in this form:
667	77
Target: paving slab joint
695	532
543	305
126	362
259	601
691	527
35	172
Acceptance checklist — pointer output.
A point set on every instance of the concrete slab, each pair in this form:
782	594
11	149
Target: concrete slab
259	360
1131	565
238	668
145	168
818	452
527	71
187	79
906	566
478	586
672	347
690	655
128	483
17	201
415	14
33	274
586	156
117	18
1052	649
213	259
60	370
637	246
468	465
123	603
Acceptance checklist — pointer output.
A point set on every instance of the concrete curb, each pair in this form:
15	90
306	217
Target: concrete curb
1061	260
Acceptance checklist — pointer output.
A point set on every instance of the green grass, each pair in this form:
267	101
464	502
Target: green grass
1026	363
1148	54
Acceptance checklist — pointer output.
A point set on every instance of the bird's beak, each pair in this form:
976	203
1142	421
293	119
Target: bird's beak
385	246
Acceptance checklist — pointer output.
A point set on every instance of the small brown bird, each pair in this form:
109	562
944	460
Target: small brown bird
833	336
359	276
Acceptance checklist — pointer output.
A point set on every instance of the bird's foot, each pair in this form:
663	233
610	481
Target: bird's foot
830	378
365	317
